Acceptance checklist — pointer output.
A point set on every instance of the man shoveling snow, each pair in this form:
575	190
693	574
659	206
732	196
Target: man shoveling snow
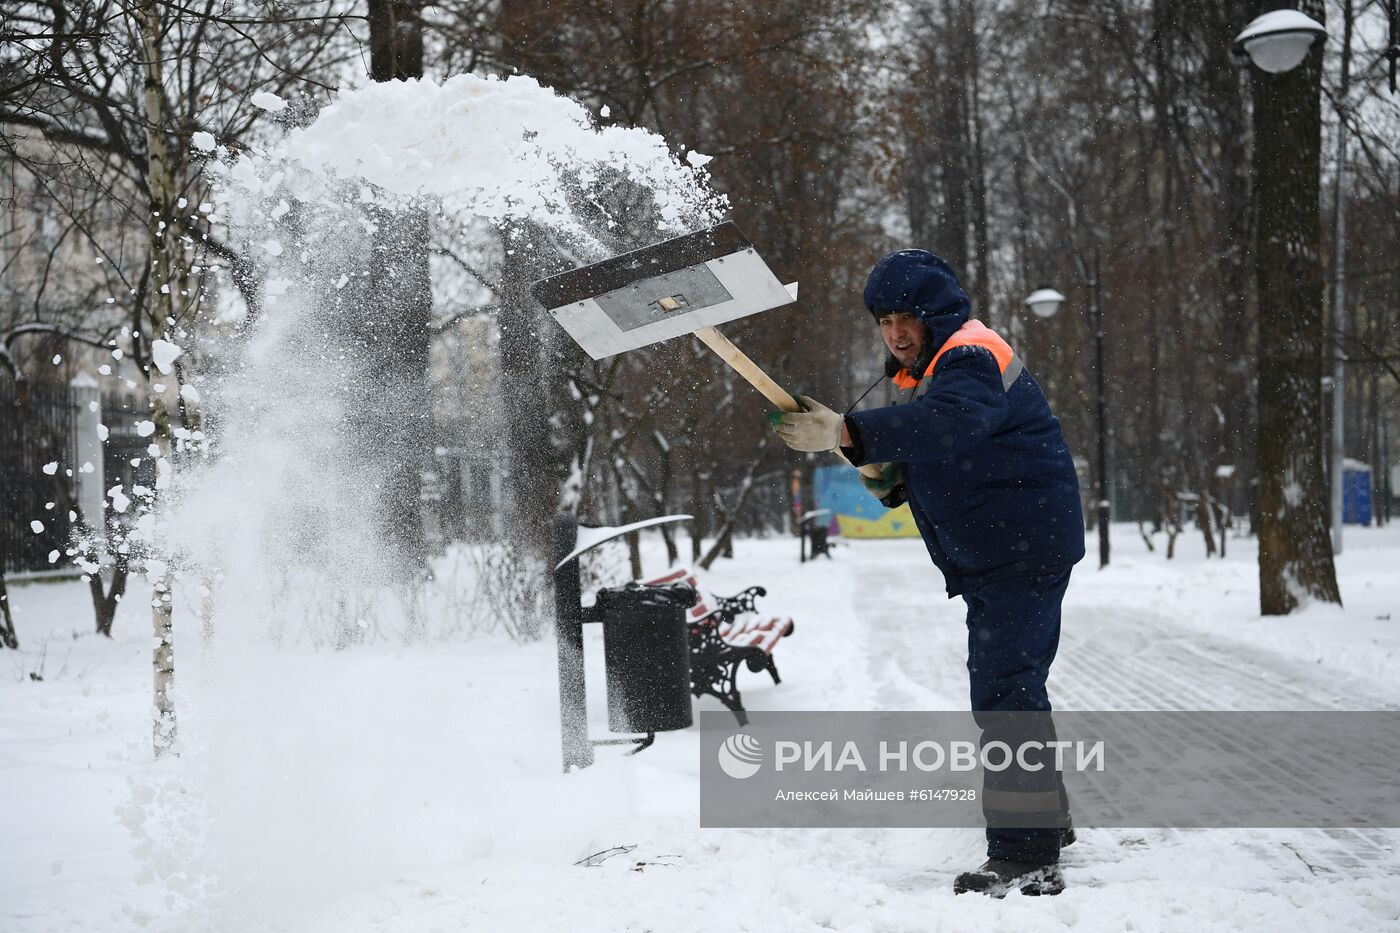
985	469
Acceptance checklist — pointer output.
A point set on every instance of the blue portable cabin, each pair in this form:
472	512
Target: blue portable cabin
1356	492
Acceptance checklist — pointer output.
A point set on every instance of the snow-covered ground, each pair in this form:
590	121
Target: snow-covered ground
397	787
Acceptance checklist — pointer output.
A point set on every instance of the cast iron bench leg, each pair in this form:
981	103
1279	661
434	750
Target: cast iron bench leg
723	686
773	670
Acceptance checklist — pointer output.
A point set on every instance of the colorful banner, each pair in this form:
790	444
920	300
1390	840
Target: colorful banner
857	513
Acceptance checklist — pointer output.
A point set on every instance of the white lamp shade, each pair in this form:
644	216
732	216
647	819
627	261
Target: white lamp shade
1044	302
1279	41
1279	53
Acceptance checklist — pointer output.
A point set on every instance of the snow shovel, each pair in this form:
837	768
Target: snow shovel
685	285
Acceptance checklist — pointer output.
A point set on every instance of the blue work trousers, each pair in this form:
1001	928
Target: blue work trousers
1013	632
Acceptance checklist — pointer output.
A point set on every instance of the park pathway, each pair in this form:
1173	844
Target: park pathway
1117	657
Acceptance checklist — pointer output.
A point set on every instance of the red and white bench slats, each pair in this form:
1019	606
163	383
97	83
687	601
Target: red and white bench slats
749	631
756	632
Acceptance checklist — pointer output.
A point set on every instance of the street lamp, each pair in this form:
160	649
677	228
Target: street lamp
1044	302
1279	41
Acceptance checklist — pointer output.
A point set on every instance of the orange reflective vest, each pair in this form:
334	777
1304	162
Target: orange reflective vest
971	334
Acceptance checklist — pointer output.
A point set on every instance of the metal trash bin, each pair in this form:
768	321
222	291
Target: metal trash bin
646	652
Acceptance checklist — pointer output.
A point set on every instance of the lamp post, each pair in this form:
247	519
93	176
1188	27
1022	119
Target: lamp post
1044	302
1295	548
1277	42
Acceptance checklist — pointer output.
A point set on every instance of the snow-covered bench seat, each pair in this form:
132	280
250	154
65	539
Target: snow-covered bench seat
725	631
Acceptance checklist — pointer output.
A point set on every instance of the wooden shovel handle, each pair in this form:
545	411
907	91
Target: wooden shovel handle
761	381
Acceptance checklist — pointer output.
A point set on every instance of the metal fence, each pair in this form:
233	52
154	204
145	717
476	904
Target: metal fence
54	466
36	426
124	457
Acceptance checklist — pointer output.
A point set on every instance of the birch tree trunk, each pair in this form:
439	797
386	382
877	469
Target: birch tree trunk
169	277
1295	548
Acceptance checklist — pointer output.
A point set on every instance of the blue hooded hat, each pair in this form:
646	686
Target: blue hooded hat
914	281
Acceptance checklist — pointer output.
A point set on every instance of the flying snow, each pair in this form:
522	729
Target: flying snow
268	101
497	148
119	498
280	519
164	353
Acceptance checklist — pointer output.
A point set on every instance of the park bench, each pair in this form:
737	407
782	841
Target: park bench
724	632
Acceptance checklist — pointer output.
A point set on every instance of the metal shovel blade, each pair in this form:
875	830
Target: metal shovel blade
666	290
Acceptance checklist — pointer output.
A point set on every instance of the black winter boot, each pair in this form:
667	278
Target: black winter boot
998	877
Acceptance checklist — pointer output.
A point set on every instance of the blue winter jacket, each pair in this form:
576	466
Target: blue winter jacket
987	472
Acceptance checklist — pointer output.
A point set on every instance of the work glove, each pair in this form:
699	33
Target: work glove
889	487
812	429
891	475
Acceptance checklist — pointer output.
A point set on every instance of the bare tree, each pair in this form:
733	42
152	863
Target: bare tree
1295	548
113	96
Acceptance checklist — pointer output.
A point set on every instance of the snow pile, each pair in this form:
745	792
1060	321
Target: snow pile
499	149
